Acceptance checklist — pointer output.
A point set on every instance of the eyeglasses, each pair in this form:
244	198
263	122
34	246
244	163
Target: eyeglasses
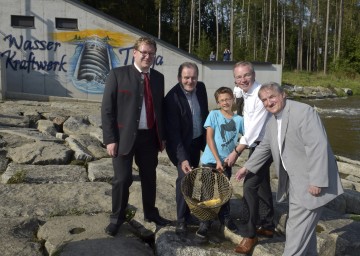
246	76
150	54
225	100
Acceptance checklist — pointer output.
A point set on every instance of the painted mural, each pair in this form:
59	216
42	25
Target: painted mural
95	53
94	56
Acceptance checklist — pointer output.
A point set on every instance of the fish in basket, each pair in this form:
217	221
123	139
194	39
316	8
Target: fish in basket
205	190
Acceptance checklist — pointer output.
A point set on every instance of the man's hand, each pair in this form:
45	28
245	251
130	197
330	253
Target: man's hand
185	167
241	173
314	190
163	145
112	149
231	158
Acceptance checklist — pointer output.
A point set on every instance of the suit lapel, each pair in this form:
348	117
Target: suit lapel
184	101
283	185
274	133
284	123
153	82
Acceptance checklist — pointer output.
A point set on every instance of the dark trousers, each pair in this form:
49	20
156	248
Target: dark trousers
239	106
256	188
183	211
145	151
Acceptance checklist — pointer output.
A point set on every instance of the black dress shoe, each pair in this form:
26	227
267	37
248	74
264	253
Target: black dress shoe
181	228
112	229
192	221
158	220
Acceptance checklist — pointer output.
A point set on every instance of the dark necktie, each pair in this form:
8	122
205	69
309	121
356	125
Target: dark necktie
148	102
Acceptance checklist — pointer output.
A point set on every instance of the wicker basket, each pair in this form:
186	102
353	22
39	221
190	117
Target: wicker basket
202	185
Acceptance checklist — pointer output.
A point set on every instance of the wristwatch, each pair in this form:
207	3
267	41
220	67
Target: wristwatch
237	152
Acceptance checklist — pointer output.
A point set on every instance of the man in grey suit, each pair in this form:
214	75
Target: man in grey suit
304	162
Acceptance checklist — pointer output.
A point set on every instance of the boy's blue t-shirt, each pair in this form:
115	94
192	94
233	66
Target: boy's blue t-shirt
226	134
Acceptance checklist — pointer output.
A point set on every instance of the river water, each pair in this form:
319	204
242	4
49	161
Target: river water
341	118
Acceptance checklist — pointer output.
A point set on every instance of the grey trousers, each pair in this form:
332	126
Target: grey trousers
301	229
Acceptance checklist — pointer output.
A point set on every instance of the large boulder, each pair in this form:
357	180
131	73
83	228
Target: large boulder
41	153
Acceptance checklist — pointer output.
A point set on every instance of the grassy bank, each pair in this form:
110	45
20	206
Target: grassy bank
319	79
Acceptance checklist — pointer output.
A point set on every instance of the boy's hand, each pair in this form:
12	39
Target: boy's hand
219	167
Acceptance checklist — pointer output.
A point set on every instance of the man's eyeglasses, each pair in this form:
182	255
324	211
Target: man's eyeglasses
144	54
246	76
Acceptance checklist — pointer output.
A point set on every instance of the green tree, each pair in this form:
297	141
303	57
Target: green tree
291	32
203	49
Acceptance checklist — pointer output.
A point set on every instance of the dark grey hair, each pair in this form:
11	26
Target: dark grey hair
188	65
273	86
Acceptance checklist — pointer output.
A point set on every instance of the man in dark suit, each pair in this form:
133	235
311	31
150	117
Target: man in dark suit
186	109
132	124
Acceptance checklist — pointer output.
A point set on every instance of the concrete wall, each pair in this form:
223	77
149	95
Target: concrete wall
2	79
216	74
48	62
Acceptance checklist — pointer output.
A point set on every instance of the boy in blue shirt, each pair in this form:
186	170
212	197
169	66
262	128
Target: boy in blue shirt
222	132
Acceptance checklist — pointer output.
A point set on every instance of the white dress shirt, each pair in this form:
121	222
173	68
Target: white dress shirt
238	93
143	120
278	118
255	116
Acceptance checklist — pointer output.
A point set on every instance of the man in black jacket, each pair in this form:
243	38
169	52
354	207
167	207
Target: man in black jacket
132	124
186	109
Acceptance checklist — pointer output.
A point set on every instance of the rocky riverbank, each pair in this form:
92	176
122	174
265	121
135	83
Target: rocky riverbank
55	194
318	92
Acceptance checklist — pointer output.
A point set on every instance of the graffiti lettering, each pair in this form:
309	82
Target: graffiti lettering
127	53
158	61
31	45
31	63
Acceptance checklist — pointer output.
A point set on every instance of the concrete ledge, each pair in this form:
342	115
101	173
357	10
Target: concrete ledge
38	97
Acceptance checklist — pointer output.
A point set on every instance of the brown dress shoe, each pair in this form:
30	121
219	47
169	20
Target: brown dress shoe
265	232
246	245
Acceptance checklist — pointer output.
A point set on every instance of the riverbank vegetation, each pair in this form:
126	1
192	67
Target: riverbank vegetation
319	39
313	36
330	80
